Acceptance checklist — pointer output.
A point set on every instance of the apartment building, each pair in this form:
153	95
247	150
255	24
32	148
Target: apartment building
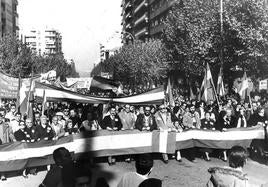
44	42
9	17
143	19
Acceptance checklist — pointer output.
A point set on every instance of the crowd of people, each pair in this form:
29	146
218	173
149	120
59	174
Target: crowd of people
56	120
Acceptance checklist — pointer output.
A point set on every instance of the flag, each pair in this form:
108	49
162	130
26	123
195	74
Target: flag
169	94
207	91
44	102
30	99
243	90
220	85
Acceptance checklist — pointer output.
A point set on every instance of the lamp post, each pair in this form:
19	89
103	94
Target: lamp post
129	34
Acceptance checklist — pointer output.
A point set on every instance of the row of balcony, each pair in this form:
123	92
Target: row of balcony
143	3
142	18
162	9
141	32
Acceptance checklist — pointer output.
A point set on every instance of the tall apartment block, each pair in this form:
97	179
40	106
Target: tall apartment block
143	19
9	17
44	42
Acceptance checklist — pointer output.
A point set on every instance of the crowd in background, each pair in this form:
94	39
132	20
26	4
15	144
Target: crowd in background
63	118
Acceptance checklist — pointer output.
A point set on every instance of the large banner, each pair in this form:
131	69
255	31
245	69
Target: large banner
53	93
18	155
9	86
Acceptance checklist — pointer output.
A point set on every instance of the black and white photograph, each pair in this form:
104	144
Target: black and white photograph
134	93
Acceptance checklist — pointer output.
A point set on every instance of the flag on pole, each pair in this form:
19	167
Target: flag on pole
169	94
207	91
220	85
44	102
243	91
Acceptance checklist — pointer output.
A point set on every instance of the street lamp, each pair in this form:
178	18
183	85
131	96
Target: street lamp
129	34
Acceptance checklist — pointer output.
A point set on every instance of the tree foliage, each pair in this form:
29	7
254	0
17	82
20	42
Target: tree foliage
18	59
136	64
192	36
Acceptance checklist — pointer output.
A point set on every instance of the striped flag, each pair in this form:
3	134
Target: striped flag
220	85
169	94
243	91
207	91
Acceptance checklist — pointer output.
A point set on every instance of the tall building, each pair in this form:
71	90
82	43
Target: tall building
44	42
143	19
9	17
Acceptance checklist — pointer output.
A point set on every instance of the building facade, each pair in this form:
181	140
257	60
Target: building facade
44	42
143	19
9	17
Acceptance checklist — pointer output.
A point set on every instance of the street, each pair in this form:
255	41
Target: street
173	174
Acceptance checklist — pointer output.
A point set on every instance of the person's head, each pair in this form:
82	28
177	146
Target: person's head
55	120
21	124
13	108
237	157
127	108
72	113
162	108
147	111
39	106
37	116
69	124
132	108
229	112
43	120
192	108
141	110
66	111
62	156
144	164
59	115
153	109
112	111
151	182
18	116
241	111
29	122
207	115
260	111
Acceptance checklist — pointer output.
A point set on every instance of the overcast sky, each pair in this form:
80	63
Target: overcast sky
84	24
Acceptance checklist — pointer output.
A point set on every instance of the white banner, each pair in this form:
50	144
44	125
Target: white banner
81	82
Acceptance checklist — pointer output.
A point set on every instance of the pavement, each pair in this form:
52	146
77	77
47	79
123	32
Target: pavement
173	174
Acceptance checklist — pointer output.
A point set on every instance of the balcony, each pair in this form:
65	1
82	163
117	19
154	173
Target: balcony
128	26
144	17
156	29
143	3
129	15
141	32
162	9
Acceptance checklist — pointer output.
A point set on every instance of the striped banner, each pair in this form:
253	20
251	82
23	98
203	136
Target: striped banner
18	155
53	93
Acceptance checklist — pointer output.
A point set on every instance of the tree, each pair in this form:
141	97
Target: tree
136	64
192	36
18	59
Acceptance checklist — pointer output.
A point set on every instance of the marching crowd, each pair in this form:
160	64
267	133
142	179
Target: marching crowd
63	119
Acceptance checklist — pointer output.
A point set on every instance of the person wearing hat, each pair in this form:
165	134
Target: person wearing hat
164	123
44	131
57	127
61	121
